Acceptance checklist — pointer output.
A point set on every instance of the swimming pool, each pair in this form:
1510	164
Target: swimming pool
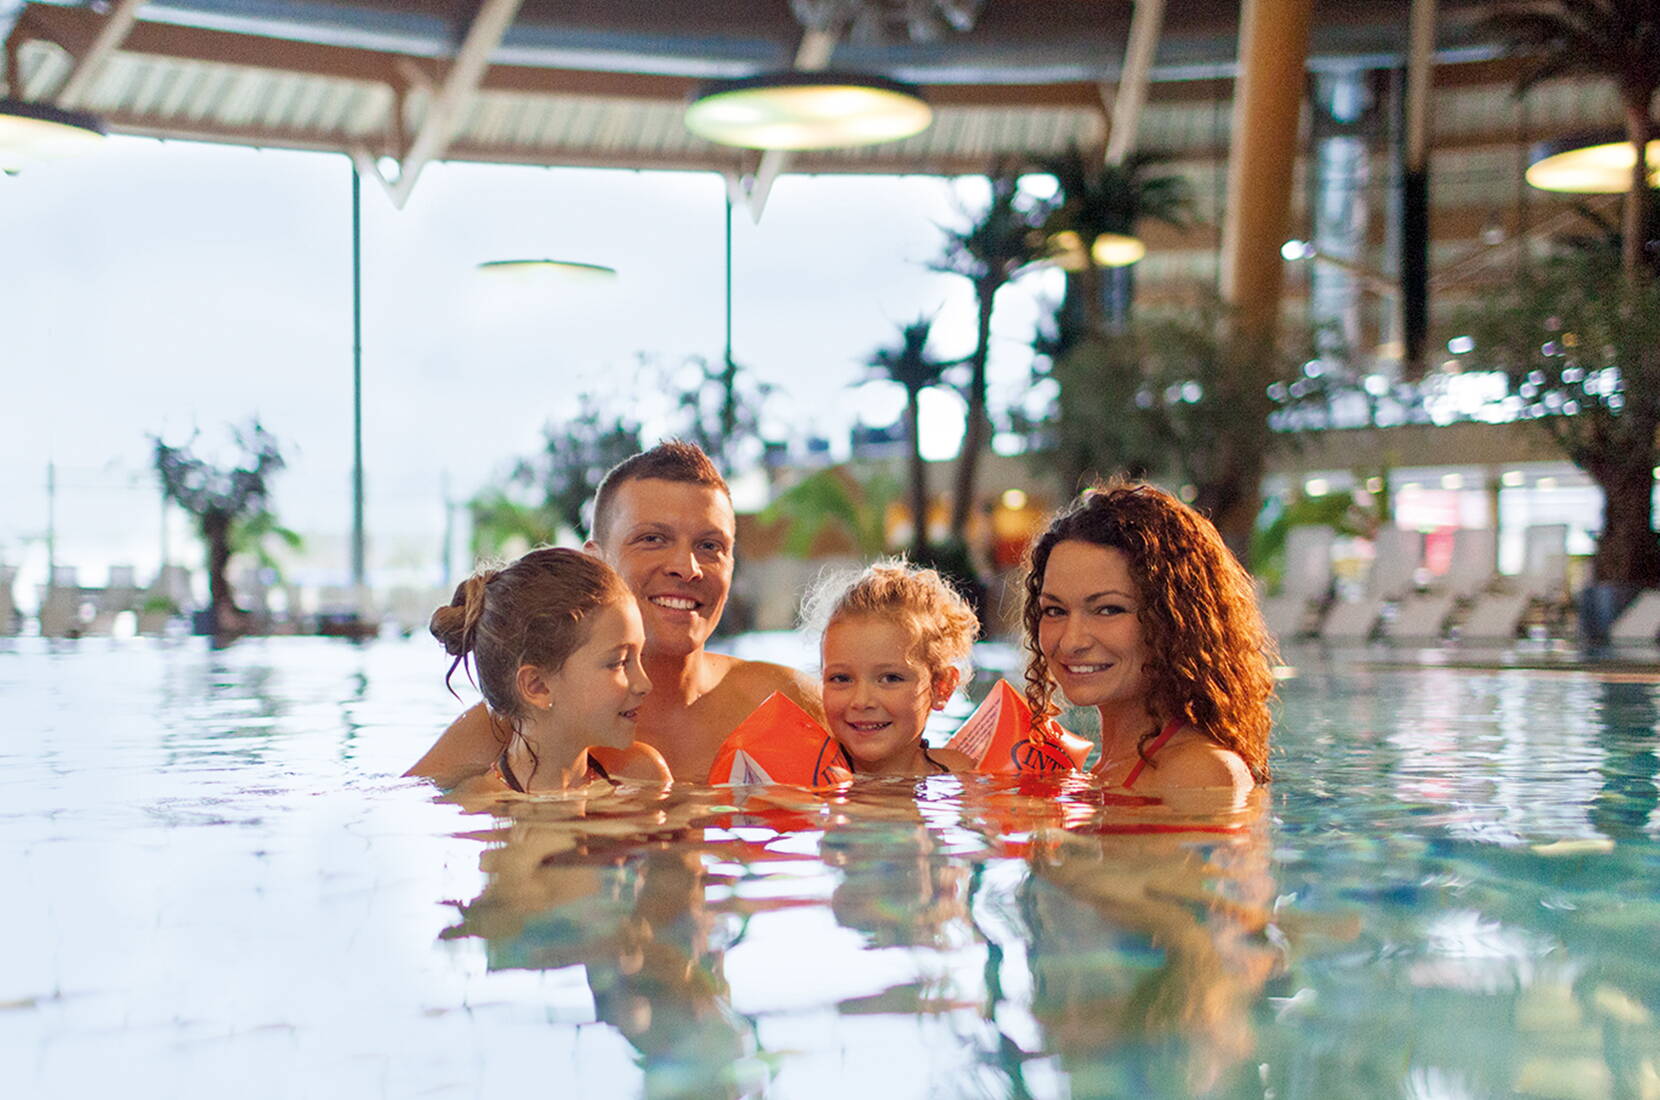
217	885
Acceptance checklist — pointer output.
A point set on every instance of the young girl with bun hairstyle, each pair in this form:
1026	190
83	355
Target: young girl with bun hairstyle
1135	606
554	642
895	647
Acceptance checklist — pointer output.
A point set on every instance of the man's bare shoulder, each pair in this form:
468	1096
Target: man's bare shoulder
755	680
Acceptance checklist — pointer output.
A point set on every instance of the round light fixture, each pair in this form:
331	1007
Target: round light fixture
534	270
1066	249
807	110
34	132
1117	249
1594	164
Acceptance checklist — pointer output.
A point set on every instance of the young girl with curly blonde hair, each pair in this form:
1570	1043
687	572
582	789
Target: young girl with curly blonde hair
896	644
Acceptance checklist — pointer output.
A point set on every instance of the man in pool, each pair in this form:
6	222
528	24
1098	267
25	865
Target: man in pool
663	519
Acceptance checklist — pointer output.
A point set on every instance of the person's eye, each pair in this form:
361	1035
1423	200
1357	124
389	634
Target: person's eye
1111	609
894	678
836	678
713	547
1052	612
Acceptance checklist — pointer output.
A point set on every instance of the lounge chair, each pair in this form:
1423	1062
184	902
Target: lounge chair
1638	624
1290	614
1496	617
1421	617
8	606
1397	554
1352	620
1545	562
1474	564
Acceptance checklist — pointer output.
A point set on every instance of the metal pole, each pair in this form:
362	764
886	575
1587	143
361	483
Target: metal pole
729	372
51	523
449	530
359	574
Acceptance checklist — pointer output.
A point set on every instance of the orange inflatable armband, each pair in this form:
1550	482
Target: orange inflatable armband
778	743
1000	740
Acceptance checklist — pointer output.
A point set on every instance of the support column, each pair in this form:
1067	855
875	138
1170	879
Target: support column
360	576
1273	53
1414	260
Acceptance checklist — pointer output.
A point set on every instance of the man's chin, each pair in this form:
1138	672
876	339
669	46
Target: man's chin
675	644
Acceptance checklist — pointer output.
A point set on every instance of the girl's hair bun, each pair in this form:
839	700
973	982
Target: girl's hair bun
456	623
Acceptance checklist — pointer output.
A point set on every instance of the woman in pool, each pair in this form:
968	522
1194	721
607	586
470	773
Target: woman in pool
555	640
895	643
1133	605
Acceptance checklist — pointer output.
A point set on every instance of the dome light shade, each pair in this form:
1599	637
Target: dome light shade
807	110
530	270
34	132
1596	164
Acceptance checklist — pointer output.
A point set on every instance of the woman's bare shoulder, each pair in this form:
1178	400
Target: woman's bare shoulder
1193	760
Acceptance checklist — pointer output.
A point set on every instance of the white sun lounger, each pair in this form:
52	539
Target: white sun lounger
8	608
1397	554
1496	617
1421	617
1307	581
1545	561
1638	624
1352	621
1286	617
1474	562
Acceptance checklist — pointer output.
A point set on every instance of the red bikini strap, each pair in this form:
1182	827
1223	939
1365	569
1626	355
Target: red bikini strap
1158	743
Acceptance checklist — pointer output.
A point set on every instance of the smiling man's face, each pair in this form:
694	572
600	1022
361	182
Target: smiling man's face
672	543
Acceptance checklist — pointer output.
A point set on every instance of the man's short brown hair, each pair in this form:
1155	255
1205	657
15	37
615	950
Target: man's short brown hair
670	460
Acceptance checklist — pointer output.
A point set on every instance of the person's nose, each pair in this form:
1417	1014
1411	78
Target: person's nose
862	695
638	682
1073	638
684	564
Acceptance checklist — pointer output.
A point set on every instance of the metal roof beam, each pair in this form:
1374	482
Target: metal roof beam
1132	84
813	55
443	114
89	63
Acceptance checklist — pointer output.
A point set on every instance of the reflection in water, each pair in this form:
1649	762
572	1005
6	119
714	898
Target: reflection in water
618	884
1056	926
1148	951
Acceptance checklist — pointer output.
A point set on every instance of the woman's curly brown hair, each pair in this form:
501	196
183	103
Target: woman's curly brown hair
1210	660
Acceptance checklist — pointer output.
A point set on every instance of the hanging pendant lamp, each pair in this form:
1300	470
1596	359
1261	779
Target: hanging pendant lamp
1589	164
807	110
35	132
529	270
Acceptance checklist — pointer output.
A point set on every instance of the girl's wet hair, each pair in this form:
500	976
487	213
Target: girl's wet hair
1209	659
940	622
531	612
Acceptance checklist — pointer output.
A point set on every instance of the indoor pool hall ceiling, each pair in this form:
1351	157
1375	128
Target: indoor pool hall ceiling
606	83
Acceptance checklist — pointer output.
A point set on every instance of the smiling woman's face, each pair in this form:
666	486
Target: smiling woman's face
1088	629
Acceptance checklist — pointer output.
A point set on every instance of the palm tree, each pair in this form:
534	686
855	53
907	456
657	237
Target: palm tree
220	499
834	498
1617	39
1095	197
908	364
993	251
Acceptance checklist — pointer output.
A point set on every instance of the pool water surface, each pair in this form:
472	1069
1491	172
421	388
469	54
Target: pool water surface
218	885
